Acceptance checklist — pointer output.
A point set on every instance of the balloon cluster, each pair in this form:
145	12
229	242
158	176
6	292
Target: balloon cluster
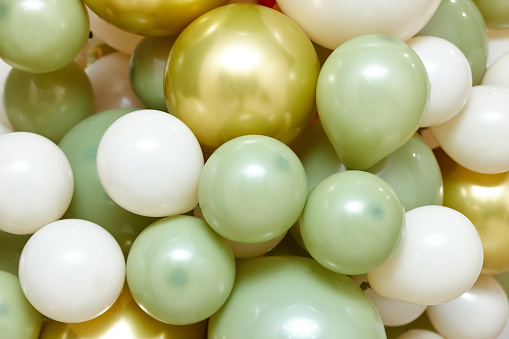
254	169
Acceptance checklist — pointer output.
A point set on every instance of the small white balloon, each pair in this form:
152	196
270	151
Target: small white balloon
72	270
420	334
497	73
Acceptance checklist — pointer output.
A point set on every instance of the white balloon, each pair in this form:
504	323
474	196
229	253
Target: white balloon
498	74
72	270
329	23
149	162
449	74
480	313
36	182
498	44
4	72
440	258
420	334
477	137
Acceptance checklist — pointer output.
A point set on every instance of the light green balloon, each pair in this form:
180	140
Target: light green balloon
252	189
494	12
372	95
11	246
294	297
18	318
40	36
49	104
180	271
353	222
461	22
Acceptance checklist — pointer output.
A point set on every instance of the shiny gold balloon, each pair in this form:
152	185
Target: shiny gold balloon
242	69
484	199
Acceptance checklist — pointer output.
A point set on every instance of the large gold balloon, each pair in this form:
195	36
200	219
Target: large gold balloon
242	69
484	199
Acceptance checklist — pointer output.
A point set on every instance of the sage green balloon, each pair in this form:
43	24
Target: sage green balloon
146	70
294	297
49	104
461	22
252	189
40	36
494	12
90	201
353	222
11	246
180	271
372	95
18	318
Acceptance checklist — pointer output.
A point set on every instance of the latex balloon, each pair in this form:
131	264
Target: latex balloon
36	182
5	68
420	334
294	297
449	74
242	69
461	22
146	70
49	104
440	258
18	319
157	18
421	323
179	271
72	270
331	22
41	36
372	95
11	246
494	12
90	201
497	44
481	312
252	189
476	137
497	73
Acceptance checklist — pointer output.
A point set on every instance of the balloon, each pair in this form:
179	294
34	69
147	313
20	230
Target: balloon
149	163
4	129
146	70
11	246
481	312
179	271
252	189
420	334
476	137
372	95
332	22
440	258
5	68
41	36
242	69
449	74
497	44
72	270
155	18
461	22
421	323
90	201
494	12
497	73
36	182
49	104
18	319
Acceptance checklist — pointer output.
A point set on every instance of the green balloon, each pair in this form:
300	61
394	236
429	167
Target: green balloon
494	12
353	222
252	189
40	36
294	297
49	104
461	22
90	201
372	95
146	70
18	318
11	246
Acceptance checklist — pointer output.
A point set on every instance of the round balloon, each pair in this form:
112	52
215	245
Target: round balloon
497	73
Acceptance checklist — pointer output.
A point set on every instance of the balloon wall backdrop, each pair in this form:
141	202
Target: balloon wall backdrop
254	169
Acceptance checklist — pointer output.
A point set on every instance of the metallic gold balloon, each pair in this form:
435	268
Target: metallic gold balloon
484	199
242	69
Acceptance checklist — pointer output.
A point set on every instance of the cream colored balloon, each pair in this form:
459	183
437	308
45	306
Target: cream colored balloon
498	72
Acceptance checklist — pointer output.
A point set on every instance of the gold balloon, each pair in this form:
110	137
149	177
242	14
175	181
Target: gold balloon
242	69
152	17
126	320
484	199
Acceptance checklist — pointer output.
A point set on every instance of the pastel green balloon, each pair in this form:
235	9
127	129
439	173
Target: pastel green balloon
353	222
294	297
11	246
180	271
90	201
49	104
146	70
494	12
18	319
372	95
461	22
252	189
41	36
